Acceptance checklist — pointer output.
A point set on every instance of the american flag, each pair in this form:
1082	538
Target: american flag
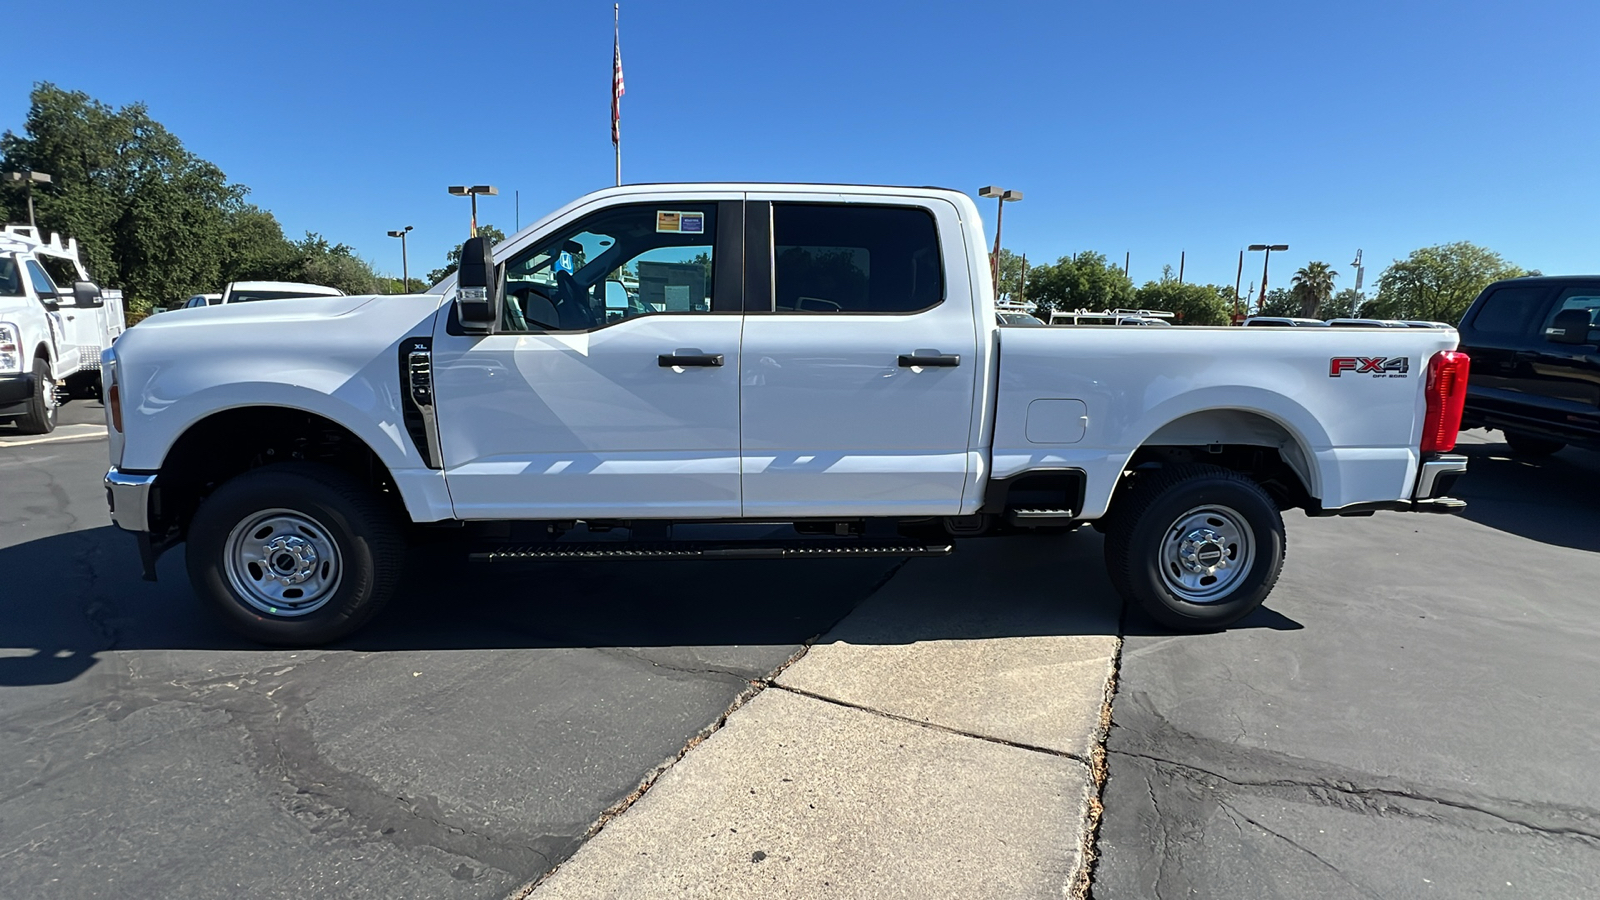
617	90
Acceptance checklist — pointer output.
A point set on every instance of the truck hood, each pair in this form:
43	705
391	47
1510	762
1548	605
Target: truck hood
335	356
264	311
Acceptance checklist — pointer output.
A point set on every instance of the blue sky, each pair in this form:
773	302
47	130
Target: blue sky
1142	127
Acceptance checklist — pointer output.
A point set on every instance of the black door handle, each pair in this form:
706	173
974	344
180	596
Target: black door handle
669	360
934	361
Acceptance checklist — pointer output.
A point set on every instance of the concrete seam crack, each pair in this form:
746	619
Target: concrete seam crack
931	725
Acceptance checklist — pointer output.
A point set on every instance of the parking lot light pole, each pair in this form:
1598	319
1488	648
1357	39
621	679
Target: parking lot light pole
405	267
1268	258
1001	197
30	178
461	190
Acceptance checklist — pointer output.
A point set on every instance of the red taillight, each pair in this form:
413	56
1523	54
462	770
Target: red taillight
114	404
1447	393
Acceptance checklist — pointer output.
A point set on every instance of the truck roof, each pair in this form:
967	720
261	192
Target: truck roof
317	289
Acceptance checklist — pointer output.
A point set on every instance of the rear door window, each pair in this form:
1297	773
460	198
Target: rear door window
853	258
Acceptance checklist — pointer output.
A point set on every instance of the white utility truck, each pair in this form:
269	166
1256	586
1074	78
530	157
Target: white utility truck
824	358
51	337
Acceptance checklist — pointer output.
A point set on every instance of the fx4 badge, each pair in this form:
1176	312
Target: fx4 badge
1376	366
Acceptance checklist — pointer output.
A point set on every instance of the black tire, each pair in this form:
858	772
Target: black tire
337	511
1143	545
40	417
1527	445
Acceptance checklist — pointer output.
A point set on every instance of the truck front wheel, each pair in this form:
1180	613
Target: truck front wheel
295	554
1196	547
39	416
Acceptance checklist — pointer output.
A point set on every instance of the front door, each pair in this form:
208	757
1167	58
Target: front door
610	388
859	359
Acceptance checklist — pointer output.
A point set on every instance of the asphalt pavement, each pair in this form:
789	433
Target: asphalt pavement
1415	714
460	746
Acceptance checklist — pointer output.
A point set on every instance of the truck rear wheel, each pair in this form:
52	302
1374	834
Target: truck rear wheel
1527	445
295	554
1196	547
40	414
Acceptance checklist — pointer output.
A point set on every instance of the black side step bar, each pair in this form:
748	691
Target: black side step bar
711	550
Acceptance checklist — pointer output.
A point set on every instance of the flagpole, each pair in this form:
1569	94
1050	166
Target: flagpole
616	125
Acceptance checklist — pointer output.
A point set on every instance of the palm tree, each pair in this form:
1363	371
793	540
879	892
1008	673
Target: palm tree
1313	286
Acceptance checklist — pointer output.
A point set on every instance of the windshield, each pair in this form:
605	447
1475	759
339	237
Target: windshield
10	277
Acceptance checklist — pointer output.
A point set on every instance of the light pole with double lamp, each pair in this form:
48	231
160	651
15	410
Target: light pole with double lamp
405	268
1268	258
1001	196
461	190
30	178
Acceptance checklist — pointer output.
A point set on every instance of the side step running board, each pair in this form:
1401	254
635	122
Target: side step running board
711	550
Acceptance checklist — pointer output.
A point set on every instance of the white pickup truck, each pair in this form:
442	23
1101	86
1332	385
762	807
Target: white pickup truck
51	337
821	357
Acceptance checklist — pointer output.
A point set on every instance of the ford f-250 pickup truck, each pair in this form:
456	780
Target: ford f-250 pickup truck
821	357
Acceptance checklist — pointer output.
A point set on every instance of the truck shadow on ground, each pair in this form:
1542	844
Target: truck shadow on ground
991	588
1552	499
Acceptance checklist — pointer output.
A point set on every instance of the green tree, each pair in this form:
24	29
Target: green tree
335	265
452	260
1345	305
1278	302
1438	283
254	248
1190	304
1313	287
149	215
1081	281
1010	275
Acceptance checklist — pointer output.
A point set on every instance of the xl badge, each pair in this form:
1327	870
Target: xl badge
1376	366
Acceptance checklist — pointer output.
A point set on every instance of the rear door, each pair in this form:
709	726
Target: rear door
1500	337
858	363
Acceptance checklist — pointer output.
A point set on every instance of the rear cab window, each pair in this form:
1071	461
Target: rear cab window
1510	311
855	258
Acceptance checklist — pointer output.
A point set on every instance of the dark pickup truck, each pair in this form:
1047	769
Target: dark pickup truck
1535	349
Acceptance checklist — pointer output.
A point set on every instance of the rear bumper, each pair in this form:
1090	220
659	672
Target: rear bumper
1435	477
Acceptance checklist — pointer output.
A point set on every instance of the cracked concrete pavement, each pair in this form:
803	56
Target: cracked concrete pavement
937	742
1414	716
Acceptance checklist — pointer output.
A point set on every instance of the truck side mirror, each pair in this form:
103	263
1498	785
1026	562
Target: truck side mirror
1570	327
477	286
86	295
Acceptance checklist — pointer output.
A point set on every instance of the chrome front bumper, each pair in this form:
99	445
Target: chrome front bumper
129	496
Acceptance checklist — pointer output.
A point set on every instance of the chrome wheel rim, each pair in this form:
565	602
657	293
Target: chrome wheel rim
282	562
1206	553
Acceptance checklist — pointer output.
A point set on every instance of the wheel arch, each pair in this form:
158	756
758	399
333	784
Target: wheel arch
231	441
1271	446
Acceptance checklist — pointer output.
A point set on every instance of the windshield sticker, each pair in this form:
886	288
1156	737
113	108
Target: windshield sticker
680	222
